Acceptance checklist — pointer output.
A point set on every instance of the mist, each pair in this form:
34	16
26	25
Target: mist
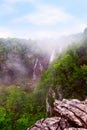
27	59
59	44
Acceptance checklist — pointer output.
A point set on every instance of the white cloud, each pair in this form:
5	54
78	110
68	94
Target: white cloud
41	34
14	1
50	16
69	30
77	28
45	15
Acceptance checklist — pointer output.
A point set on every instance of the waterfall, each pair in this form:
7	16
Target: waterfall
52	56
36	62
35	66
41	67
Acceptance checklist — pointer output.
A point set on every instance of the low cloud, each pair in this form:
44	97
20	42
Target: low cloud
42	33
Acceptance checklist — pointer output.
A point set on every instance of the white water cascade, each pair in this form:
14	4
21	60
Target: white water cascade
37	64
41	67
52	56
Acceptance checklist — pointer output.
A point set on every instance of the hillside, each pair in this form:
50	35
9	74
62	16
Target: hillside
67	75
20	61
31	78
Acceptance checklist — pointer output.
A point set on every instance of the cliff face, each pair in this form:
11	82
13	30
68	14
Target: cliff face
67	115
21	61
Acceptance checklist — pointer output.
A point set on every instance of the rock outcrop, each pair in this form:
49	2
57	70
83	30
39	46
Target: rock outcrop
67	115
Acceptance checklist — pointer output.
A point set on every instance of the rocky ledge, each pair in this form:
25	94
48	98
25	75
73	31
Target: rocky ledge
67	115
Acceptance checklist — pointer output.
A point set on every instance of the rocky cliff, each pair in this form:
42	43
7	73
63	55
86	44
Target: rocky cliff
20	61
67	115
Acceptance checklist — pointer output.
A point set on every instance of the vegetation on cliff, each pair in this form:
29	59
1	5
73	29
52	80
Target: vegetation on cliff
18	109
67	75
18	106
17	59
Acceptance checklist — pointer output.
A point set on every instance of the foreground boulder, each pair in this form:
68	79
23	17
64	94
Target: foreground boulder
67	115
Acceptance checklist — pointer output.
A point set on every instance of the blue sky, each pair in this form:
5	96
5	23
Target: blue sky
39	19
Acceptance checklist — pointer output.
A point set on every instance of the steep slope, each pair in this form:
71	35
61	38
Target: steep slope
20	61
67	75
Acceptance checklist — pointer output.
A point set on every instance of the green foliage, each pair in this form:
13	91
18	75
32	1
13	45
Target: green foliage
23	122
18	109
70	71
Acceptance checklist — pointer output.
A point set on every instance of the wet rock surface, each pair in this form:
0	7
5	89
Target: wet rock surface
67	115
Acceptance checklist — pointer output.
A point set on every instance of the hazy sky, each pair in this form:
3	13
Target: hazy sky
42	18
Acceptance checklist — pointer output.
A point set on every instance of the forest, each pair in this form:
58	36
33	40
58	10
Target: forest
21	63
22	98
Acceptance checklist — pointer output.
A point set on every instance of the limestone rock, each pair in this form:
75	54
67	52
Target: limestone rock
75	129
74	110
53	123
68	115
